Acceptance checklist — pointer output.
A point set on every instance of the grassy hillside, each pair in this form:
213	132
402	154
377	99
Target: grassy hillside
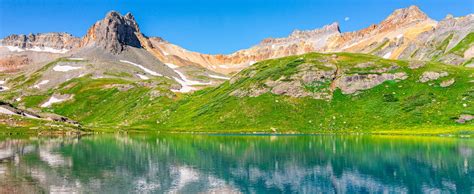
112	104
465	44
308	93
393	106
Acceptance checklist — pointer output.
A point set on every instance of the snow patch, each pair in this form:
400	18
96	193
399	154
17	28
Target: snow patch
48	50
141	67
224	66
76	58
399	36
65	68
41	83
6	111
14	49
4	88
31	116
37	49
184	81
387	55
171	65
143	77
52	100
218	77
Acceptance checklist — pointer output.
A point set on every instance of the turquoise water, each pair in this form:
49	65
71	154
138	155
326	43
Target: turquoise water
226	164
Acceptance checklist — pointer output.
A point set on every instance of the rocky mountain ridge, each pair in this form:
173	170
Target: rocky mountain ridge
397	37
62	42
407	33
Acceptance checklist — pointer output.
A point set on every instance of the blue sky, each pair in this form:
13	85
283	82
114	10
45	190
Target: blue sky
212	26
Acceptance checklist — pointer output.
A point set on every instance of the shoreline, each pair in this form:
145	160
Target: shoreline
461	133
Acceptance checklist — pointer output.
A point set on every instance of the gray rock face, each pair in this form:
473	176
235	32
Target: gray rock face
318	81
114	33
447	83
308	81
298	35
52	40
416	64
350	84
450	29
431	76
464	118
253	91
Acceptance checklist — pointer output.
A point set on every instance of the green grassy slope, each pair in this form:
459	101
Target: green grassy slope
462	46
116	104
407	104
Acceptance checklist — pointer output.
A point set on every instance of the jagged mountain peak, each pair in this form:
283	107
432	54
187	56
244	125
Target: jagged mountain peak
114	33
305	34
406	15
331	28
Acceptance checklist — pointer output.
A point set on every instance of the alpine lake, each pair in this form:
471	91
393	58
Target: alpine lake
182	163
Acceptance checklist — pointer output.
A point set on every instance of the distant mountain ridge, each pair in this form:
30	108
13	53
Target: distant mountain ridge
407	33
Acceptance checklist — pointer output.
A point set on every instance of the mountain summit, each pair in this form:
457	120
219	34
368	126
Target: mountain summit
114	33
403	17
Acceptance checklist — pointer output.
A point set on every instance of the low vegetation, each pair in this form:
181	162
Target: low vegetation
393	106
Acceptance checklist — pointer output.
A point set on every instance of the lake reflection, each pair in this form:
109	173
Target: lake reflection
232	164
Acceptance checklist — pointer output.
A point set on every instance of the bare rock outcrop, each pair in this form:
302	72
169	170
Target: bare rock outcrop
416	64
350	84
447	83
252	91
464	118
114	33
13	63
431	76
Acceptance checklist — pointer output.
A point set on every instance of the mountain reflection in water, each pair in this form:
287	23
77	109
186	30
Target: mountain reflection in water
233	164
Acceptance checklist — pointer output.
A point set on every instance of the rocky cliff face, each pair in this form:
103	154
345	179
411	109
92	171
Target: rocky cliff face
114	33
439	42
21	52
42	40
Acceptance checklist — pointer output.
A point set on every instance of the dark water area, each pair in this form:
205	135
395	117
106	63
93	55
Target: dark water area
234	164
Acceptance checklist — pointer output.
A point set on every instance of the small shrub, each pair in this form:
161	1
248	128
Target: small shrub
389	98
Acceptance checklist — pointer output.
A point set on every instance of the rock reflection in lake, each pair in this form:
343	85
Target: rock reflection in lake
233	164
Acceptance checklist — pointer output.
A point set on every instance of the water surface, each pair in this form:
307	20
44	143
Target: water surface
226	164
